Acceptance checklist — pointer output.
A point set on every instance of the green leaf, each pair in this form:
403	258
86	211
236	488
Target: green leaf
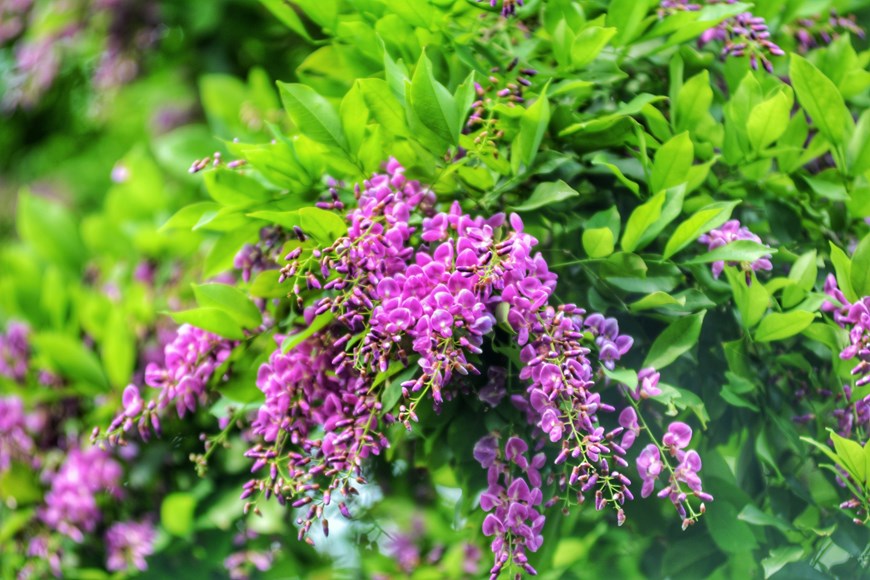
843	268
852	454
656	300
354	116
732	535
70	358
588	43
384	106
231	300
769	120
267	285
533	125
312	114
640	220
701	222
231	188
627	17
433	103
598	242
320	322
214	320
860	269
627	377
672	163
858	152
118	348
286	13
803	273
50	229
821	99
176	513
323	225
739	251
546	194
779	326
676	339
779	557
752	299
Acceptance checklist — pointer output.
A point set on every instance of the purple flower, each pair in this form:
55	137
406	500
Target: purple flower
628	420
677	437
649	466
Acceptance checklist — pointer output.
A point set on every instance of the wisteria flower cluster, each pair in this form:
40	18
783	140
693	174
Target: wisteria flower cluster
190	361
742	35
854	418
427	296
733	231
817	30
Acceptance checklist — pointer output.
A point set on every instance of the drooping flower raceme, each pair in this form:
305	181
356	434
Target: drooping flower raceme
190	360
853	418
730	232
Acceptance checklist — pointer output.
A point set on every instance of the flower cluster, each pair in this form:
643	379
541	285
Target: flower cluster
742	35
14	352
814	30
71	502
400	294
13	17
854	417
732	231
128	544
512	501
190	361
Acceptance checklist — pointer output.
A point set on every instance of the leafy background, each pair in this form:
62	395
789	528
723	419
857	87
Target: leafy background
631	142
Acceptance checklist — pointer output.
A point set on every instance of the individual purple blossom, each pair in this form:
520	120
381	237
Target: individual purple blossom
128	544
70	506
628	421
649	466
730	232
677	438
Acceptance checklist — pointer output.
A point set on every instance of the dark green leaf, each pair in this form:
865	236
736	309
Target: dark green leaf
676	339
